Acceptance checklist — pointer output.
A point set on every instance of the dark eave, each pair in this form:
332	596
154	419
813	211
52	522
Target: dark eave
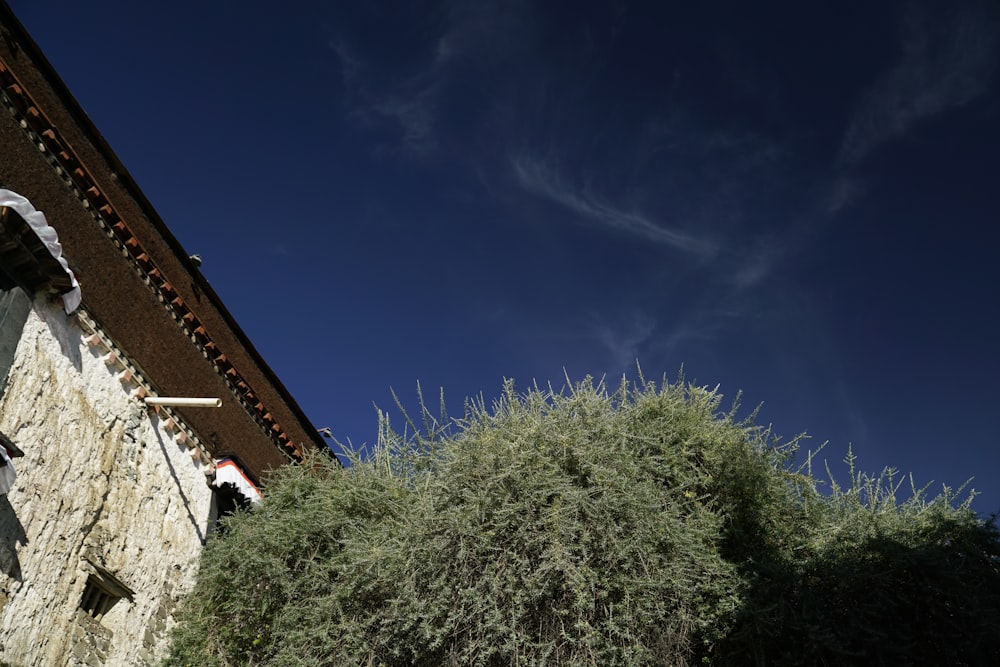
24	257
12	450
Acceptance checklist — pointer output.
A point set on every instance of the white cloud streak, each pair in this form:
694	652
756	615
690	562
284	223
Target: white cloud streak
945	65
473	31
758	264
624	340
543	180
416	116
410	106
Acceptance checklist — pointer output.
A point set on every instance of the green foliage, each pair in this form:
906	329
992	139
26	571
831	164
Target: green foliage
640	526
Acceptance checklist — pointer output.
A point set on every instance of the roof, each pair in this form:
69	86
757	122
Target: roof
137	280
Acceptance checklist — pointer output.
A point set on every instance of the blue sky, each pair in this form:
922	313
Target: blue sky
798	201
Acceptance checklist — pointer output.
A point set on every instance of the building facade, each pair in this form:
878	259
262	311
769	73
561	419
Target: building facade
105	499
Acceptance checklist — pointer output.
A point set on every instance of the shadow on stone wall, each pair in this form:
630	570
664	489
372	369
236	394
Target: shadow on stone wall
11	534
173	473
68	337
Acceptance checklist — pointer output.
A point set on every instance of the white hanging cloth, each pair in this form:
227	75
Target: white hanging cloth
7	472
36	220
226	471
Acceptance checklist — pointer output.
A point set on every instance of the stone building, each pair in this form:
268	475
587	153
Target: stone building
105	499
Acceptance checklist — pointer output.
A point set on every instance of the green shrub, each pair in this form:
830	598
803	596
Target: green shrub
640	526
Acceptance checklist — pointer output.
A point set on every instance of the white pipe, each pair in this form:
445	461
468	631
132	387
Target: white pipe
177	402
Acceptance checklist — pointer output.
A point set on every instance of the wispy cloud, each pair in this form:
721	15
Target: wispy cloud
415	115
840	193
757	263
755	260
352	67
946	63
624	339
410	107
469	31
544	180
482	29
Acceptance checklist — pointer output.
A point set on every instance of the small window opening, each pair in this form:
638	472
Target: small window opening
102	592
96	600
231	499
228	500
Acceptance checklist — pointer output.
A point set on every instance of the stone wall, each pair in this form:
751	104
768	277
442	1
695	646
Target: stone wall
102	484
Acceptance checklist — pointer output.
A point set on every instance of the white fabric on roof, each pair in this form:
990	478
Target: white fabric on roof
36	220
226	471
7	472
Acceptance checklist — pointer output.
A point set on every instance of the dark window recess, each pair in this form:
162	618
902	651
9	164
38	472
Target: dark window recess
97	601
103	590
228	500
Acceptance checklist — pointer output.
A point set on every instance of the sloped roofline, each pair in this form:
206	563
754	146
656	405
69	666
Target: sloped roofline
125	179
